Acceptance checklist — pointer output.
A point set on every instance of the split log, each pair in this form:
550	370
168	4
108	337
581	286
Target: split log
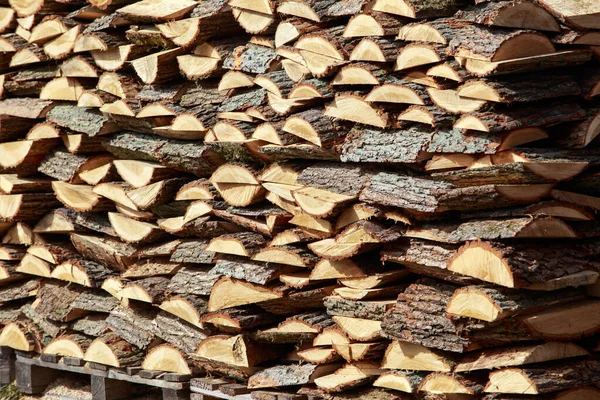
156	194
520	88
543	380
419	54
414	357
362	330
519	355
132	231
515	265
399	380
581	134
542	325
180	334
23	336
443	196
451	383
133	325
25	207
80	144
13	184
348	377
353	108
187	307
522	117
110	349
499	13
323	51
229	292
361	351
542	172
471	301
289	375
176	154
119	84
82	272
26	108
235	350
84	120
450	101
424	304
80	198
526	64
295	302
415	9
583	16
150	290
22	157
372	310
373	24
493	230
71	345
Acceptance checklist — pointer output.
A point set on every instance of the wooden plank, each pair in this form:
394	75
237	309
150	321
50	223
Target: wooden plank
33	379
110	389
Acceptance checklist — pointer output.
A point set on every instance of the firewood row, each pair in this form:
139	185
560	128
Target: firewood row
387	199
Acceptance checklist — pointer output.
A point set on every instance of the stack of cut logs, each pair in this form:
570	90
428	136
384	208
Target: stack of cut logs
388	199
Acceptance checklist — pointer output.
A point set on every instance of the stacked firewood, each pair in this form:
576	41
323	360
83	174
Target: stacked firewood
340	199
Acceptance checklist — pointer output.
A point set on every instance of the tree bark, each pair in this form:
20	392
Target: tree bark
382	146
420	317
111	253
193	251
184	336
193	281
133	325
63	166
373	310
529	87
84	120
248	270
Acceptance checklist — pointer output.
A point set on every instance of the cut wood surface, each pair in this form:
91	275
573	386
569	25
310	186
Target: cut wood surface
302	199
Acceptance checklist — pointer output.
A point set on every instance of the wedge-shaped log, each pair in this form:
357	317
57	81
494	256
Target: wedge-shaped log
80	198
165	357
514	265
581	16
520	88
71	345
289	375
493	230
229	292
82	272
349	376
132	231
235	350
353	108
26	206
492	304
519	355
404	381
443	196
111	350
543	380
522	117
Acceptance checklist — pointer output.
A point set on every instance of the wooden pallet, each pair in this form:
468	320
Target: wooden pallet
34	373
7	365
216	388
